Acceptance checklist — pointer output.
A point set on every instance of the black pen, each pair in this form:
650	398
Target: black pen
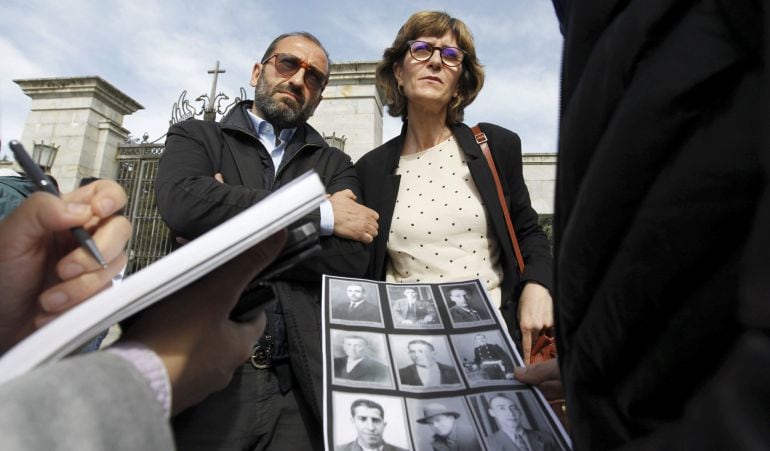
42	182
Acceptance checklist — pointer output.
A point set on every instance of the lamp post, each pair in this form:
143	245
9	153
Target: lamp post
44	154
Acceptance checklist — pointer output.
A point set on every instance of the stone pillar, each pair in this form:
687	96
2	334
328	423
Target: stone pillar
540	176
84	117
351	107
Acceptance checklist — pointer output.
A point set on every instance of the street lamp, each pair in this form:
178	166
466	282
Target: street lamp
44	154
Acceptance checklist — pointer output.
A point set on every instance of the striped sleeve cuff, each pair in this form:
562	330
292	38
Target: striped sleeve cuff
150	366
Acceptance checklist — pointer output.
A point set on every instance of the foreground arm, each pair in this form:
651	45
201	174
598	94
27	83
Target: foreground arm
44	270
109	404
92	401
194	337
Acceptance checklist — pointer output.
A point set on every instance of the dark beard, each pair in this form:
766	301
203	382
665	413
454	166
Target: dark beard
280	114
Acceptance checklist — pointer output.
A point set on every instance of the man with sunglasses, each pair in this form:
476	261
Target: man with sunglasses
210	172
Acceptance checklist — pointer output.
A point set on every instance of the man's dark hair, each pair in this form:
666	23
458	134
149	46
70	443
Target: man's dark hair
356	285
355	337
271	48
366	403
506	397
421	342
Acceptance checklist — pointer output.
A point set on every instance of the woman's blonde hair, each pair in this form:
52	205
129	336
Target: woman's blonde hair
434	24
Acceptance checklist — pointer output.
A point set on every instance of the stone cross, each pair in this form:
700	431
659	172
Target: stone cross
210	114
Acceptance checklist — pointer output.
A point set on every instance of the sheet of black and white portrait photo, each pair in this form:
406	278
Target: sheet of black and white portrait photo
424	363
486	358
354	302
422	378
413	307
465	304
369	421
361	359
442	424
514	419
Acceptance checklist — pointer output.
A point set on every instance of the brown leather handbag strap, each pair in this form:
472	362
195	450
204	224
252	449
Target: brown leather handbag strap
481	139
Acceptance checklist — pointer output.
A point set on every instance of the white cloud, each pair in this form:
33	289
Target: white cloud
13	103
523	99
153	50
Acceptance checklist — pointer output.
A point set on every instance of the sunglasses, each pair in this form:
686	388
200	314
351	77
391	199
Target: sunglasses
287	65
423	51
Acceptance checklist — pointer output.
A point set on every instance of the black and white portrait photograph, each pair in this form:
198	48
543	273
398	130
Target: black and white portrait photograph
485	357
413	307
354	302
442	424
424	363
369	422
512	420
360	359
465	304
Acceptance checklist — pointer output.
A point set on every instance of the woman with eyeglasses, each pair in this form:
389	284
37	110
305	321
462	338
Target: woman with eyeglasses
440	217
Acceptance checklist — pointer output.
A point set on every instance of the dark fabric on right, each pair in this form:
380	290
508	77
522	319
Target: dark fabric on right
661	224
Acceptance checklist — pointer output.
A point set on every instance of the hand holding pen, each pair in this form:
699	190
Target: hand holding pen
43	269
43	183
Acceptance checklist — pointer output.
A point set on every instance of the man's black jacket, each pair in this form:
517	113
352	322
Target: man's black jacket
192	202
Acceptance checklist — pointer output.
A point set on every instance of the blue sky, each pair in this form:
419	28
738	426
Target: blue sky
153	50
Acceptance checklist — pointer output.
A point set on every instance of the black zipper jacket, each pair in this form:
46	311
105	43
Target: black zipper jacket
192	202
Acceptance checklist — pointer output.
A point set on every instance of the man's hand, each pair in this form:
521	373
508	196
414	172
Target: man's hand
543	375
352	220
191	330
44	270
535	314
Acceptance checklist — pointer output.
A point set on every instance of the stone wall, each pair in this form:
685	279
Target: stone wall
351	107
540	177
83	117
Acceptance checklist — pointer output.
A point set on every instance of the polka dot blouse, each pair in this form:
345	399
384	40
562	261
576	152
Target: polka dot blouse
439	231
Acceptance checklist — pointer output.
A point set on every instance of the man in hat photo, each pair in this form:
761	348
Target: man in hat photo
443	423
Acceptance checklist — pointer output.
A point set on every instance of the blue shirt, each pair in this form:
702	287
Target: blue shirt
266	135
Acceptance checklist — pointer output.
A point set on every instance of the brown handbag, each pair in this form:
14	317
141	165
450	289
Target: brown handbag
545	345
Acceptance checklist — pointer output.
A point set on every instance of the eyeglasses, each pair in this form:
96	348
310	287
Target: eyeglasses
287	65
423	51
